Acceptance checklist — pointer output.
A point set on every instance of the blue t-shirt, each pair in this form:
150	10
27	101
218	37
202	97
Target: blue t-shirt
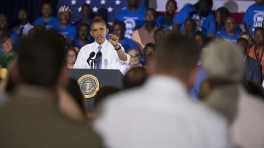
163	23
78	23
227	37
206	25
238	29
15	39
77	43
254	17
70	32
201	76
133	20
128	43
51	24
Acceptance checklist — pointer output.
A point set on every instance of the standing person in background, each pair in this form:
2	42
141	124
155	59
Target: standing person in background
254	16
145	34
24	26
247	36
133	16
65	28
8	47
70	57
86	16
257	51
165	22
201	12
82	36
253	67
47	19
189	27
119	29
4	30
230	33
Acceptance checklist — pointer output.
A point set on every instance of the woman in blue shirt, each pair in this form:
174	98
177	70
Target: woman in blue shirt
201	12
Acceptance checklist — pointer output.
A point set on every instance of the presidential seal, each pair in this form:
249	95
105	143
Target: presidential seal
89	85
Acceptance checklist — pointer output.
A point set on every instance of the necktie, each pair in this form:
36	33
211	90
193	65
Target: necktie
21	32
98	62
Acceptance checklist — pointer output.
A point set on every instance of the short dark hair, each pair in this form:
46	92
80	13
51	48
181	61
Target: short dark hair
202	35
259	29
177	53
149	45
2	37
135	77
47	3
121	23
41	58
151	9
242	40
98	21
84	24
103	93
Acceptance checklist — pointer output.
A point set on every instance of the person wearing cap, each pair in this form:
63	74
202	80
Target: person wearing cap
65	28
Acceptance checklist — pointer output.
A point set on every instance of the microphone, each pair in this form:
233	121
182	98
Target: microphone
90	57
98	55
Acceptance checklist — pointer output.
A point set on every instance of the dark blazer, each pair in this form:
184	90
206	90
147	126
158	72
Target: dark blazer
253	70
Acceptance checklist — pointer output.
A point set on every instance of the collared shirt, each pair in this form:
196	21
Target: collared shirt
7	60
27	27
110	59
258	56
142	37
159	114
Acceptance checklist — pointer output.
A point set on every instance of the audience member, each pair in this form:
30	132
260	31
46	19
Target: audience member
149	52
220	16
135	77
47	20
33	102
253	68
256	51
82	36
104	92
159	34
4	30
86	16
201	12
36	29
65	28
229	34
189	27
200	39
8	47
113	55
119	29
225	60
70	57
133	16
247	36
24	26
145	34
254	16
133	62
165	22
171	106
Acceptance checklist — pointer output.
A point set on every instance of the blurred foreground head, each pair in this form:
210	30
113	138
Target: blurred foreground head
224	60
40	59
135	77
177	56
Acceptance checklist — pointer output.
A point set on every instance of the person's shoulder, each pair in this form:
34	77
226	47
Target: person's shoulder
54	19
189	8
141	9
252	7
38	20
72	27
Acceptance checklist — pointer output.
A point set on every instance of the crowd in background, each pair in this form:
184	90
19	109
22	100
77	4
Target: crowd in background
192	80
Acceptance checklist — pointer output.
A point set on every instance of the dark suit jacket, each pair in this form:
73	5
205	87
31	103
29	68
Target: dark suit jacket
253	70
31	119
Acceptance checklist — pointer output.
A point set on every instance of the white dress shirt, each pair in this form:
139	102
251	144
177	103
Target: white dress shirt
159	114
26	29
110	59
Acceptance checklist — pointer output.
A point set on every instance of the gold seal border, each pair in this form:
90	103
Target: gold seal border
96	81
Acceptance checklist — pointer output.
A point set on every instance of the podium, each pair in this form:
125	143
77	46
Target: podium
90	80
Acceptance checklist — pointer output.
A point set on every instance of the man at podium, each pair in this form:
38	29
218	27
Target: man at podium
103	53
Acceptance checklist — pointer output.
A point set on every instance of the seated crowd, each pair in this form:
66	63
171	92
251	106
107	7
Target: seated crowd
206	68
